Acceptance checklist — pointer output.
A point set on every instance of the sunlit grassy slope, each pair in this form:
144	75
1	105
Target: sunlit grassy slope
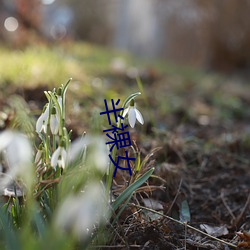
52	64
168	89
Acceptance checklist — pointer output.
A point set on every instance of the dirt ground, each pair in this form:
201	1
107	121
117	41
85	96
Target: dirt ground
202	171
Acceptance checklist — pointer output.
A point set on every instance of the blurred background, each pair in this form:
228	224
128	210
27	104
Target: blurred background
211	34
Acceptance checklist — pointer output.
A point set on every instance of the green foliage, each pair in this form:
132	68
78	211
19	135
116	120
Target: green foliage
66	206
21	120
36	65
132	188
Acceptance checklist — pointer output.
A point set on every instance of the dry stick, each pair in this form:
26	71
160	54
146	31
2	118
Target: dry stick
48	185
116	232
57	180
227	207
237	220
175	198
183	224
117	246
185	242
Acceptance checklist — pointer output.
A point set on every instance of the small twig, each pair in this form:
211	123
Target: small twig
185	242
175	198
48	185
183	224
227	207
57	180
117	233
239	217
117	246
148	188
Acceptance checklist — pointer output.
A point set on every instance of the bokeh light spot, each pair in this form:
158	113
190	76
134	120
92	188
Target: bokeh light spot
47	2
11	24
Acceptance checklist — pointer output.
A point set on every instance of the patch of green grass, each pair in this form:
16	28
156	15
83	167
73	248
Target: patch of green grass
94	79
49	65
34	65
37	65
95	59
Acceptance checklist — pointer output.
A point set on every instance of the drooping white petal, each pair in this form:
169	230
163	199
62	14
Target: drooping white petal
139	116
63	159
18	156
19	151
46	112
77	148
100	154
61	163
54	124
78	214
44	127
55	156
59	157
59	99
132	117
125	112
97	152
39	123
5	139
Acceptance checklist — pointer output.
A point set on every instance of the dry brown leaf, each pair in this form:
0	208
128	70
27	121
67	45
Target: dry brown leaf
245	236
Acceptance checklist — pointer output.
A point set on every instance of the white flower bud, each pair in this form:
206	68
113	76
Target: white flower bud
133	114
54	122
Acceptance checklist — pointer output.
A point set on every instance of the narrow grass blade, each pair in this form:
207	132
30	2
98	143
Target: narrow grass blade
10	235
128	191
122	209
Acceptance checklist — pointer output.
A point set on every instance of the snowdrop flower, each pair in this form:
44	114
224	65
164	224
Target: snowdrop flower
54	121
79	214
17	152
77	149
98	155
133	114
42	122
59	157
97	152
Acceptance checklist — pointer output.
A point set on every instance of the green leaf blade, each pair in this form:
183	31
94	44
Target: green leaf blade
128	191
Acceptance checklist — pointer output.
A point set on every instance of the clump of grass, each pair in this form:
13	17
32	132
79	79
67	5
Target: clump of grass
65	186
37	65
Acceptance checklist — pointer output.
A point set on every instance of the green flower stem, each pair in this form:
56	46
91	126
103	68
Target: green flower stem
46	147
66	137
47	137
113	155
65	87
54	142
52	95
114	151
